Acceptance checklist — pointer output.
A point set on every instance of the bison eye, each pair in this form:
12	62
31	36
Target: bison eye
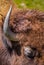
29	52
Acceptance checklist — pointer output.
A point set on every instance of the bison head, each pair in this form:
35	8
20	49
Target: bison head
26	36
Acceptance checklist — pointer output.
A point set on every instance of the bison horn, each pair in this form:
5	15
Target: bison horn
6	28
6	21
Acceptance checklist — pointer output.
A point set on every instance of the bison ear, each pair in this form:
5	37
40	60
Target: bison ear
7	44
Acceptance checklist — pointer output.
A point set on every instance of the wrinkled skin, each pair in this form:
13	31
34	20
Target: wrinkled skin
31	34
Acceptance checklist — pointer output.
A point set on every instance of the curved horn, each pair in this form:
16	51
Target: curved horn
6	21
6	28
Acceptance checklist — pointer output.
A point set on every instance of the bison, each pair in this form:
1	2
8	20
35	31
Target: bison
5	45
22	38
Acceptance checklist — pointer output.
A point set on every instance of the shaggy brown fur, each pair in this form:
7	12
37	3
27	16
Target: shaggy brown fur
29	28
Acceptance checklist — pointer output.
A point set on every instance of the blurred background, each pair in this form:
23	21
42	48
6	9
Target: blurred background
32	4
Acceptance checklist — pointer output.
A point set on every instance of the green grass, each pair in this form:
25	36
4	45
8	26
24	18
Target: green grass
32	4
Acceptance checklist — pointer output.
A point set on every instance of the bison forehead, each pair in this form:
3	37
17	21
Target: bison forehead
27	19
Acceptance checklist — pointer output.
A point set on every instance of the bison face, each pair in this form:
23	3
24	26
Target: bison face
29	29
27	37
